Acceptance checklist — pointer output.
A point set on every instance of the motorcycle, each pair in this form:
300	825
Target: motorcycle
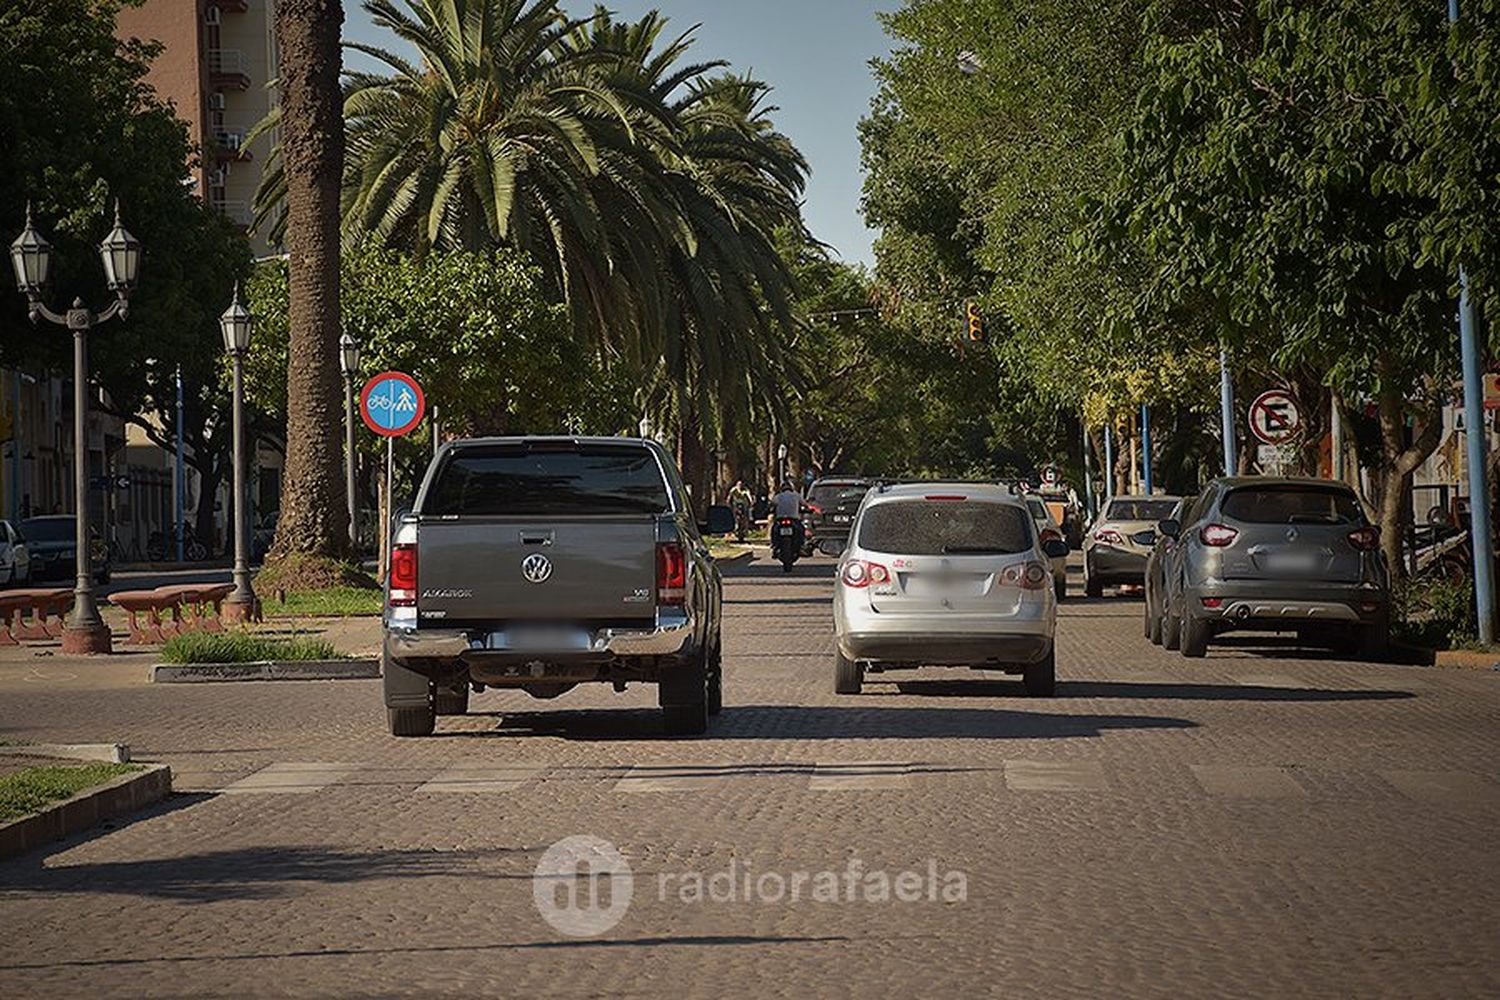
786	541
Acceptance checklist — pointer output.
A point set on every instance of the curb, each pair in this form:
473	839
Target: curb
1467	659
109	753
88	808
278	670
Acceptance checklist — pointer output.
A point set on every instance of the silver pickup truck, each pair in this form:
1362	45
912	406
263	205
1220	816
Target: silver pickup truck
544	562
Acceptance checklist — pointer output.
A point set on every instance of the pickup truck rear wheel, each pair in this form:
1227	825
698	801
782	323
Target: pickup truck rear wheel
411	721
716	683
684	698
446	702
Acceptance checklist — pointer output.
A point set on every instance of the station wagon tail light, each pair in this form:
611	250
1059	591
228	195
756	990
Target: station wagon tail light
1027	576
671	574
403	576
1108	536
1217	535
858	573
1365	539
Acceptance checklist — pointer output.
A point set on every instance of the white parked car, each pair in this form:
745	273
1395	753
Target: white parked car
15	558
945	574
1047	528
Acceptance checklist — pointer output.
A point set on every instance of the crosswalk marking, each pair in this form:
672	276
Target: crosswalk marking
859	776
1247	782
1443	786
650	778
291	778
1055	776
482	778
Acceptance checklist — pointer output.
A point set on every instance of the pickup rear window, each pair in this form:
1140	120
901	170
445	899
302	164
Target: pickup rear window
944	527
521	481
1293	504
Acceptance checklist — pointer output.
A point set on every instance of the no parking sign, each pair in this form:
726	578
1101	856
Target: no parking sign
1274	417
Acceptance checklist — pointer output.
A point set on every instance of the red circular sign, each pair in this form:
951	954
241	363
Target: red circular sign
392	404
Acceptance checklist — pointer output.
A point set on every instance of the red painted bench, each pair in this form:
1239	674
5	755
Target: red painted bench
33	614
191	606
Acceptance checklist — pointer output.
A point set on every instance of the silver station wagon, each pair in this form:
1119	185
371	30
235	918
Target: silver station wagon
946	574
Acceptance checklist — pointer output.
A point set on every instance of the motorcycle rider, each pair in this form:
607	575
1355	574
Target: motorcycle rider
788	504
741	500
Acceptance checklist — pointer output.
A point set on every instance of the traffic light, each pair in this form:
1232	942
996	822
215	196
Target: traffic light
976	323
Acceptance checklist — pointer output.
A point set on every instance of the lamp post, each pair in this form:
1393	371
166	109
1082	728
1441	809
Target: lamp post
31	256
236	324
349	363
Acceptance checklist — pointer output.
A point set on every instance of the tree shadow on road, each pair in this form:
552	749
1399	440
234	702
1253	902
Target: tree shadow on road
870	721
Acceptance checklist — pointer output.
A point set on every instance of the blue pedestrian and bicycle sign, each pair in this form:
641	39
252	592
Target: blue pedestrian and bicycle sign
392	404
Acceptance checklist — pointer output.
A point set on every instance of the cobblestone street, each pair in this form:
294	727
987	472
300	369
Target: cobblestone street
1268	821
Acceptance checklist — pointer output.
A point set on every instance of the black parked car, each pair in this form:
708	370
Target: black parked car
830	508
51	541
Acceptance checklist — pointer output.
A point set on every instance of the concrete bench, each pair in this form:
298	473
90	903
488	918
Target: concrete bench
172	610
33	614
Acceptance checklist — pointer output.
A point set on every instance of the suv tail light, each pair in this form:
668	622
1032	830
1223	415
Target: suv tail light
1050	535
671	574
1109	536
858	573
1217	535
403	576
1027	576
1365	539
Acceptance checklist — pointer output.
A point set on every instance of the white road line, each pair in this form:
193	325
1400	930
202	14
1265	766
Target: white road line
666	779
859	776
482	778
291	778
1443	786
1055	776
1247	782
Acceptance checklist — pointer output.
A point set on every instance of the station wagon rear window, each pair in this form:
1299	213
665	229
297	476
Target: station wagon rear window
934	528
514	480
1292	504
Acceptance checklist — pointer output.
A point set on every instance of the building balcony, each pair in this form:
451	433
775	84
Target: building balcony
229	144
227	69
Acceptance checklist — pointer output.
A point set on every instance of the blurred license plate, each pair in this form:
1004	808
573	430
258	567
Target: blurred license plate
942	586
545	638
841	519
785	531
1292	562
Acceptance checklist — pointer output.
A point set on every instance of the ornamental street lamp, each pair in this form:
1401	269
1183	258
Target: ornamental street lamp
235	324
349	363
31	257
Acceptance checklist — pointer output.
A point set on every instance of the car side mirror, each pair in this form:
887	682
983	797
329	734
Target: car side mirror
1170	527
720	521
1144	537
1055	548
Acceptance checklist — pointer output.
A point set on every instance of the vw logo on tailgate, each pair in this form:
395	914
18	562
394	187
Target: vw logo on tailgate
536	568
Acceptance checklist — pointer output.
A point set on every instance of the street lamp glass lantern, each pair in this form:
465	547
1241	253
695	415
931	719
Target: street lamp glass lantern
235	324
121	254
349	355
31	256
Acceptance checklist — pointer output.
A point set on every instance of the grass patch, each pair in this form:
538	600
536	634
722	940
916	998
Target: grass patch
327	603
243	647
29	790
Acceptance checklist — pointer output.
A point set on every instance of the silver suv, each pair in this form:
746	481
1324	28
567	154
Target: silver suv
945	574
1276	554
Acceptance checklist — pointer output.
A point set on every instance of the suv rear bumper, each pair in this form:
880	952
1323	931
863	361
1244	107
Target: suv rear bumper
427	648
1250	604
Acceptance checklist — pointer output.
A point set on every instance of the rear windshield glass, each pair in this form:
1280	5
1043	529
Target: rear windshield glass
49	529
1292	505
945	527
830	494
513	481
1140	510
1038	509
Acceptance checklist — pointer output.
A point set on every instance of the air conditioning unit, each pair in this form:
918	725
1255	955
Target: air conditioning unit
216	101
211	15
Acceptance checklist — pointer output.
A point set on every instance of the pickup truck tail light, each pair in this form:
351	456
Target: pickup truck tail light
671	574
403	576
1217	535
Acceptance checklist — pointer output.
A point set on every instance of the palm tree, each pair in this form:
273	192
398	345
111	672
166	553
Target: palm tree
313	520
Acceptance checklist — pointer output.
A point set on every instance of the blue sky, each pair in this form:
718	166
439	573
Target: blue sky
814	53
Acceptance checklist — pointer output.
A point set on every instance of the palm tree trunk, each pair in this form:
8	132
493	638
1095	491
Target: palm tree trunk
314	518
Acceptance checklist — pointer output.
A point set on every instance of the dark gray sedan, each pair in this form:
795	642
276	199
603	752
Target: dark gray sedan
1275	554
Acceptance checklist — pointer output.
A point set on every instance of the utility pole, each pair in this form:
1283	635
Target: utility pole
1109	460
1480	534
180	506
1146	449
1226	412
